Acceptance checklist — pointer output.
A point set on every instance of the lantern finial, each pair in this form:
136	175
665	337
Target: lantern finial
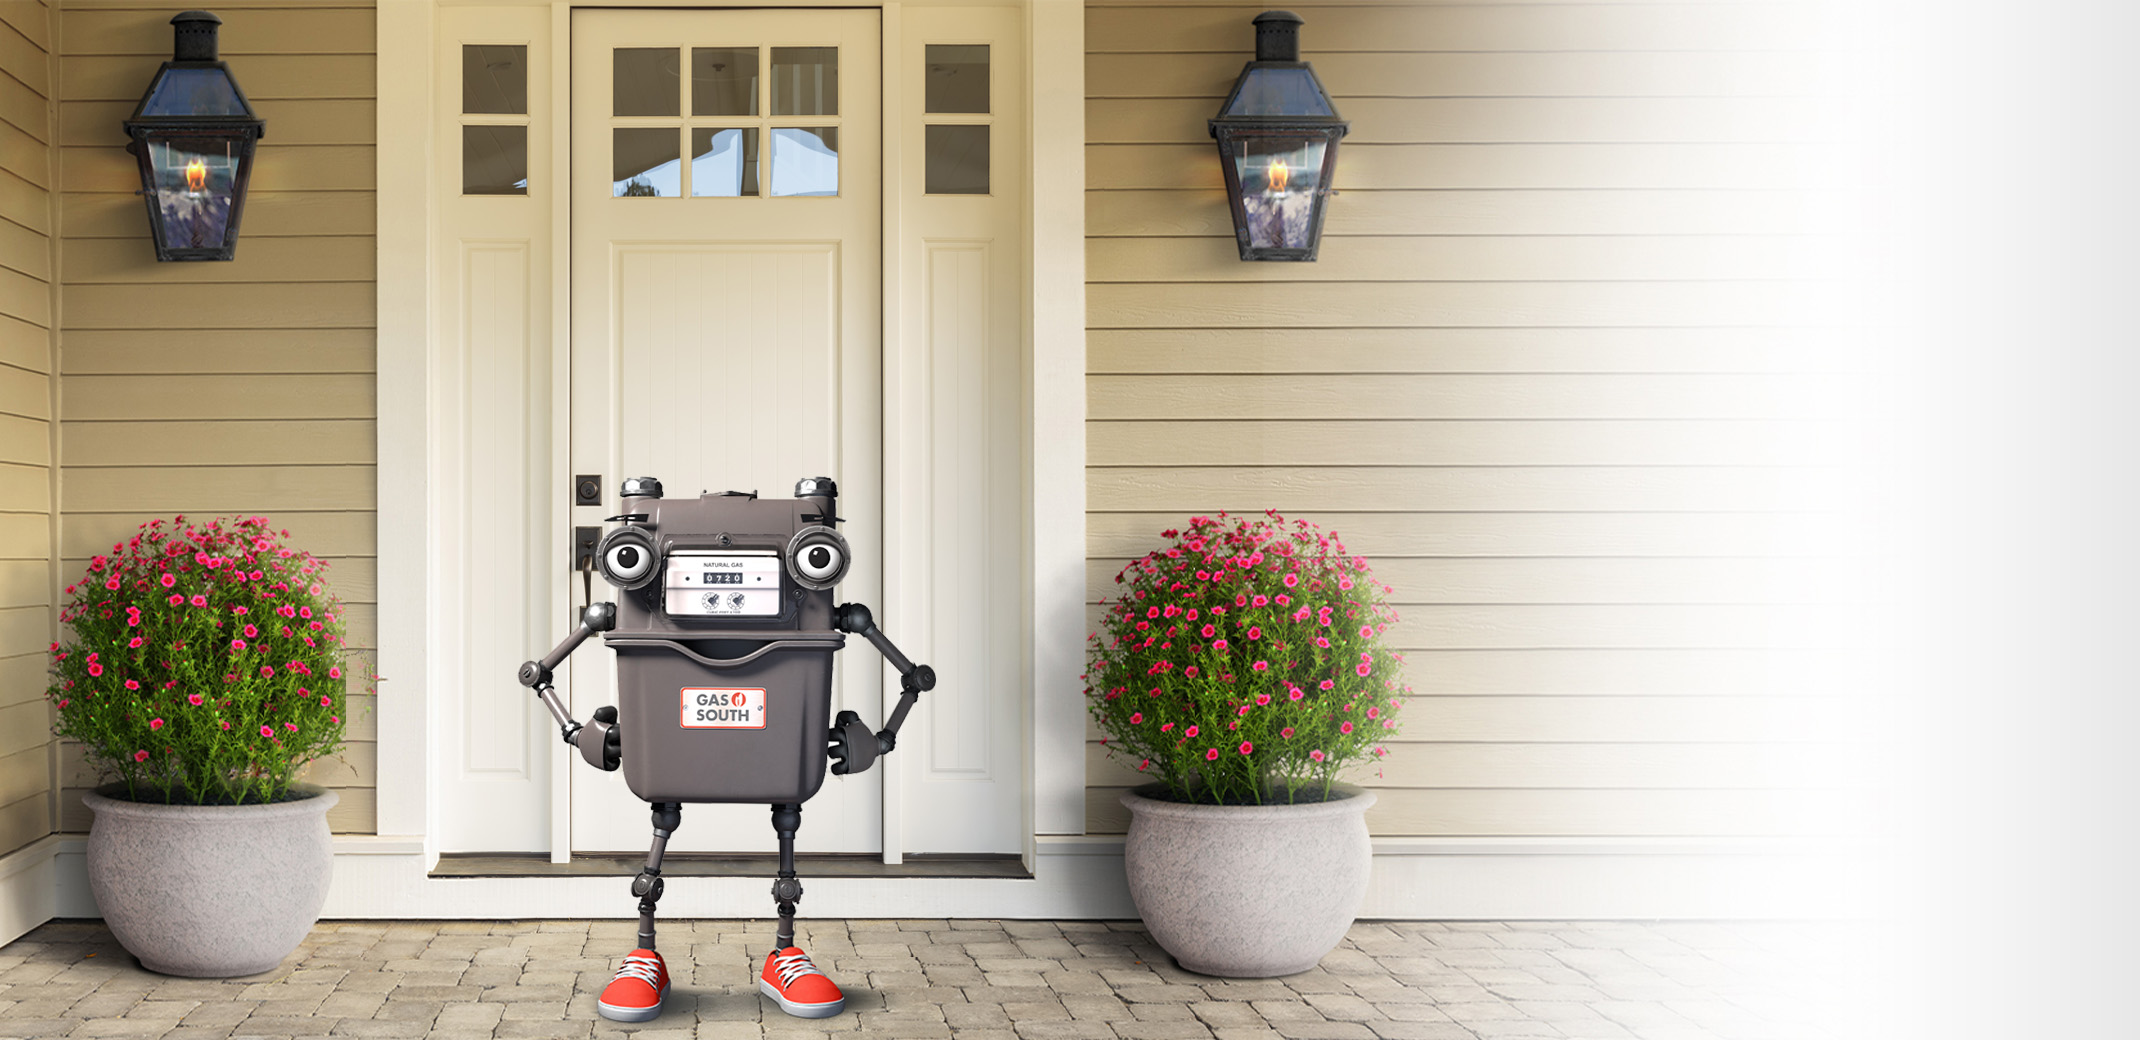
193	36
1278	36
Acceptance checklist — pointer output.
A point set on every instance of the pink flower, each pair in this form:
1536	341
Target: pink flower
1316	755
1255	632
1262	699
226	723
177	599
1362	669
1165	726
1190	671
141	756
1344	727
1190	732
1243	711
1292	580
1219	645
1247	747
134	643
250	631
1211	755
1366	631
1207	631
111	583
1286	733
200	601
241	611
1346	583
1135	717
1323	641
1374	713
1294	694
96	670
1327	685
267	731
291	726
195	699
133	685
155	724
237	644
1261	665
1141	766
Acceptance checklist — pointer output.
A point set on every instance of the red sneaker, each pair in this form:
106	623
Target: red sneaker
635	994
801	989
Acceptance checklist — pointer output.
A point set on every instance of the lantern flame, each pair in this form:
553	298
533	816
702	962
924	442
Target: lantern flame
196	175
1276	175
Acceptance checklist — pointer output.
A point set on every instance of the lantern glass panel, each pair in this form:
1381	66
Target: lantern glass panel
193	92
1278	92
1280	177
194	180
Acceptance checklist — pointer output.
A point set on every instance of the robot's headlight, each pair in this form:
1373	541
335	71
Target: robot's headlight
817	557
626	558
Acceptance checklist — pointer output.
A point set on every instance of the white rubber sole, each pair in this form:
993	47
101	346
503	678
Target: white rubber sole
802	1010
624	1014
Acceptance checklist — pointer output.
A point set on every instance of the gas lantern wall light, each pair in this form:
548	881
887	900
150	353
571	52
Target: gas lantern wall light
1278	137
194	133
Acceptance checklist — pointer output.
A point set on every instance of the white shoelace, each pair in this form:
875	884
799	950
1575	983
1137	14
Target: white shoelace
646	969
793	966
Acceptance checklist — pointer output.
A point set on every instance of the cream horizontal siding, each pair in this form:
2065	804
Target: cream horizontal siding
27	616
227	388
1559	371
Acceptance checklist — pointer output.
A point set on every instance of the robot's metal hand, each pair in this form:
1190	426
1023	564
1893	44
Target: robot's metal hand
536	675
599	741
853	748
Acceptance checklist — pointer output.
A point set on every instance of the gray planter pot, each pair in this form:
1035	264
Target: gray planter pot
1248	891
210	891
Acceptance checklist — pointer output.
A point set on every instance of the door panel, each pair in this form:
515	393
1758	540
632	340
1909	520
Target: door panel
726	322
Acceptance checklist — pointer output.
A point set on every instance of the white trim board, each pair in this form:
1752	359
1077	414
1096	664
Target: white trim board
1081	878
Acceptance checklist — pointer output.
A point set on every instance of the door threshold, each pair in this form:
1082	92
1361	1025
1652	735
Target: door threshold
686	864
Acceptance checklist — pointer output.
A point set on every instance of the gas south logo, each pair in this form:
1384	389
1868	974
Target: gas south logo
720	707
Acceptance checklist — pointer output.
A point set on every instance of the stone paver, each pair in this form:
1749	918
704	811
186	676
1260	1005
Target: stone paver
964	980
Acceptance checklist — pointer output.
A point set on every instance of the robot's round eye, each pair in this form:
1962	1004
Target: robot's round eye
817	557
819	561
629	561
626	558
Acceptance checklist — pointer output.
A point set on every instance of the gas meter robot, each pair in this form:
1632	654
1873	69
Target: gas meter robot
724	631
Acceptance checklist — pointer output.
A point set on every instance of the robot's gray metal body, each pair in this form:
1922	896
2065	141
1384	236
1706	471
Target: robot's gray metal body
724	631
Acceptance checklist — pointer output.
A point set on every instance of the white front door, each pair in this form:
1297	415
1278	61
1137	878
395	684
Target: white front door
726	322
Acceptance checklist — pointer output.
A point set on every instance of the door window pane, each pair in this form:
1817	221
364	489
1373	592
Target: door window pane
724	81
958	160
957	77
494	160
494	79
806	82
724	162
647	81
806	160
645	163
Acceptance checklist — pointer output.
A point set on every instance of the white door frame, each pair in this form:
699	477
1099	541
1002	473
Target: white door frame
415	528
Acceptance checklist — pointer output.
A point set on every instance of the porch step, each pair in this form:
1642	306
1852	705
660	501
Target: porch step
680	864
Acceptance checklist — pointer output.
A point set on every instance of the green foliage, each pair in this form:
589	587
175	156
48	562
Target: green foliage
1244	662
205	664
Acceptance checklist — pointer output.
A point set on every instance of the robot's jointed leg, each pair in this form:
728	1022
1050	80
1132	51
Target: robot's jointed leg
648	885
789	977
636	993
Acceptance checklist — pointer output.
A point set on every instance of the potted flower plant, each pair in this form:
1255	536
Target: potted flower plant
1243	668
203	669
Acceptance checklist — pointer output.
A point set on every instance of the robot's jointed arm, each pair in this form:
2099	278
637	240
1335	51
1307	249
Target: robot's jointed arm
597	740
854	749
